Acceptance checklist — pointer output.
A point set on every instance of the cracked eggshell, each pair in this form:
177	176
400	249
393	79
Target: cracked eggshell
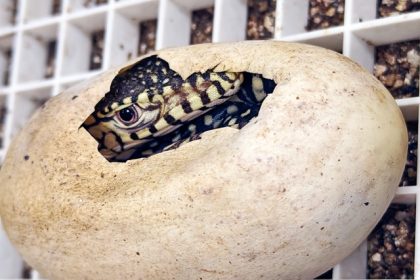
286	197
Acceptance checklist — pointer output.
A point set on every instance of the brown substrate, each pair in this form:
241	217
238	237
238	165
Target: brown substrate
261	19
50	63
202	26
3	111
388	8
391	244
324	14
13	11
97	50
92	3
56	7
397	67
147	41
409	177
6	70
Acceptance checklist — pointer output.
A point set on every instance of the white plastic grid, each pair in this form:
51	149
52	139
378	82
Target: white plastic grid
71	28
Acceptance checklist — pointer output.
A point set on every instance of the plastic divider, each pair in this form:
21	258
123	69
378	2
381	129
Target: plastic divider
28	32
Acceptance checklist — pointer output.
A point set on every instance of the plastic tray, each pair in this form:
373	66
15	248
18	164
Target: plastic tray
71	28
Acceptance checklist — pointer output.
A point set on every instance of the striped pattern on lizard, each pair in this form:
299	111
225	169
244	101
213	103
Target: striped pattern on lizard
150	108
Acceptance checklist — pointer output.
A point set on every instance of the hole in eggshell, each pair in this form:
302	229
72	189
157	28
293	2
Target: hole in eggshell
150	108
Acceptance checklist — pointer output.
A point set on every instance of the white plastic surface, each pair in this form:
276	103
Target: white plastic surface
72	29
10	262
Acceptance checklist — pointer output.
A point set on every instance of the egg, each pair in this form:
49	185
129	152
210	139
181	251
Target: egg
286	197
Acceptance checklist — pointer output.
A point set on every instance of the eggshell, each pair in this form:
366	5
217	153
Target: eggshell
286	197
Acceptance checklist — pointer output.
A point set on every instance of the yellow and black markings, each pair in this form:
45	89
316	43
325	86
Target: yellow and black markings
150	108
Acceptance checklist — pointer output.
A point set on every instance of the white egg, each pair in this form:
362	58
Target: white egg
286	197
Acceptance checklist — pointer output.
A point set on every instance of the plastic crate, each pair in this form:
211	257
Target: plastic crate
47	47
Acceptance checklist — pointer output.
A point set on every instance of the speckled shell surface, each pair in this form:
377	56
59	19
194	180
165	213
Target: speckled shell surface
286	197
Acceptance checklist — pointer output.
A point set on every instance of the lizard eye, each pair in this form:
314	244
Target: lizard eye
128	115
